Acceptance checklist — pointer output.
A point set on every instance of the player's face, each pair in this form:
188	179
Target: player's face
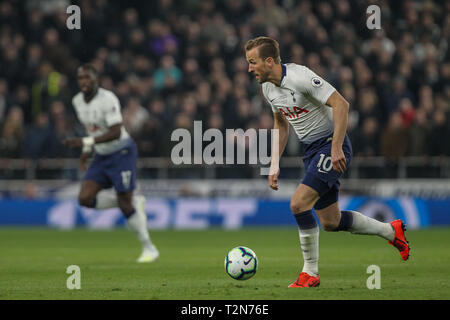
87	81
259	67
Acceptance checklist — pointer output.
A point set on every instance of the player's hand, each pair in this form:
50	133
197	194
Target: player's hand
273	180
73	142
83	161
338	160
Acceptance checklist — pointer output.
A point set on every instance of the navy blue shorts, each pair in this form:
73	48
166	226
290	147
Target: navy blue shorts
319	170
117	169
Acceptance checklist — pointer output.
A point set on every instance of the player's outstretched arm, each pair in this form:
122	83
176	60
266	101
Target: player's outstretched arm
281	126
340	108
87	142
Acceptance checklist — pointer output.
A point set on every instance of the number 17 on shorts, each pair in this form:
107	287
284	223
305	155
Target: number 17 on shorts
126	178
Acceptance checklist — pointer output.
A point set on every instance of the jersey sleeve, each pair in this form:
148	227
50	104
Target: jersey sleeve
308	82
264	89
112	112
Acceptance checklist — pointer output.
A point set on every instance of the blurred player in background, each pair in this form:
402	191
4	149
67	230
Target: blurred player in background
114	164
318	114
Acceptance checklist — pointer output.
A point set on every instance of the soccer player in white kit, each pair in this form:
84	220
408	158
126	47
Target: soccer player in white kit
318	114
114	164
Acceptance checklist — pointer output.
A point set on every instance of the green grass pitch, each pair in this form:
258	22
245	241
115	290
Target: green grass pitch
33	265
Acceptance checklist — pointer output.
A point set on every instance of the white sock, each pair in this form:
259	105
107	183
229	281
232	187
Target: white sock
106	200
138	224
365	225
309	242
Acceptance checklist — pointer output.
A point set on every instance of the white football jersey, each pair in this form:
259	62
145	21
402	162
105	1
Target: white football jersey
301	98
98	115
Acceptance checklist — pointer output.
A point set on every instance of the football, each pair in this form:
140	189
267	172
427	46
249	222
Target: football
241	263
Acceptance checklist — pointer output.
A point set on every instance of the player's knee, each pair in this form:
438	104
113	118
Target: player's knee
299	205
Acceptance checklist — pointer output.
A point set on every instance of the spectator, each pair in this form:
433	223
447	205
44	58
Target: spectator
368	105
56	52
394	139
134	117
366	139
407	111
4	99
398	92
40	141
439	135
167	75
419	132
162	40
62	128
12	134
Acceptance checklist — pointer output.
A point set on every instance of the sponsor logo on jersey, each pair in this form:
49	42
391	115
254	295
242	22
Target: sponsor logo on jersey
293	113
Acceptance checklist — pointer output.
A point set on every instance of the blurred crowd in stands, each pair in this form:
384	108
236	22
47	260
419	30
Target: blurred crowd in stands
172	62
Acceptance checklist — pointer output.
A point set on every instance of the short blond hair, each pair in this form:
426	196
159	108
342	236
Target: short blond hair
267	47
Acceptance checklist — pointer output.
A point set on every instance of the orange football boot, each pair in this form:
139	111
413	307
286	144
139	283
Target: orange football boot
306	281
400	241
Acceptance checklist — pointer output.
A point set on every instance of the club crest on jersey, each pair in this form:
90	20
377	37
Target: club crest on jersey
293	96
92	127
316	82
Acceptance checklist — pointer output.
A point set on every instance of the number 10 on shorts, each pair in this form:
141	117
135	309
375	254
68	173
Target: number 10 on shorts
324	163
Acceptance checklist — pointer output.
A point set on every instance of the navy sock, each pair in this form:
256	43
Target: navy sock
127	215
346	221
88	205
305	220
